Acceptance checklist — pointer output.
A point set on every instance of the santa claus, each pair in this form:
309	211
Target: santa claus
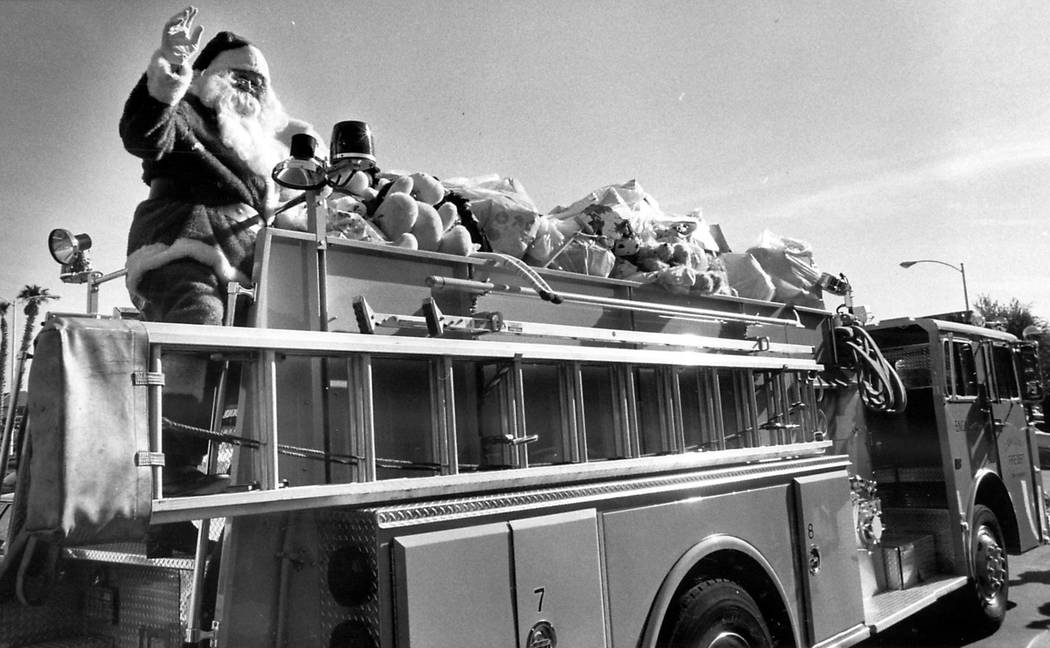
208	135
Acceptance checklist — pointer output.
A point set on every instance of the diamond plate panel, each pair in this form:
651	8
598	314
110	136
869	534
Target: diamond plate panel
102	604
58	619
402	515
150	602
337	529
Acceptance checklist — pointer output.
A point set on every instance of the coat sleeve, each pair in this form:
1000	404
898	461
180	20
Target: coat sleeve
149	126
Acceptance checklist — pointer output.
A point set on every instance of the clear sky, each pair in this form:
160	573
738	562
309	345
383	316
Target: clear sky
876	131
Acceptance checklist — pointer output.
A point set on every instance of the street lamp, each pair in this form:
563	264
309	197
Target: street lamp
961	269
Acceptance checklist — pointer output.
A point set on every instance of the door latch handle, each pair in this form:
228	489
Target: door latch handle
814	559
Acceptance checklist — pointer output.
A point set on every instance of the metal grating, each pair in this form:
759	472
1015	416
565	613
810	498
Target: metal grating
102	604
150	603
912	364
126	553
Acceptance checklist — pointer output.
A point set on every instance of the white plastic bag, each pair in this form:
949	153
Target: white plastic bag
747	277
789	263
504	211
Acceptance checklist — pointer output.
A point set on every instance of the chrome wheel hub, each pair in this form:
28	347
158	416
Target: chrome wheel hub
989	564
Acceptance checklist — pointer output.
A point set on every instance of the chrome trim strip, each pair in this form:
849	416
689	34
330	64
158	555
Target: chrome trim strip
404	490
586	494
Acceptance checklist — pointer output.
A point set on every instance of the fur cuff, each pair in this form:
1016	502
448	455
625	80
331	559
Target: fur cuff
167	82
154	255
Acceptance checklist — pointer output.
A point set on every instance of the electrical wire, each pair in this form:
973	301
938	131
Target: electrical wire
881	388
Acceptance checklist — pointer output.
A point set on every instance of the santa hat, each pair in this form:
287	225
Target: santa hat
224	40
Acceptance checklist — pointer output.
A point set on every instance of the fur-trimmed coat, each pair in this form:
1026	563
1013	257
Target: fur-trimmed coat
179	143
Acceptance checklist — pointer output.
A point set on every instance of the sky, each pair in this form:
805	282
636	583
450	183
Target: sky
877	132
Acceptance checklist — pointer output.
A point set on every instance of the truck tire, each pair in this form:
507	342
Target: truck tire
991	577
718	613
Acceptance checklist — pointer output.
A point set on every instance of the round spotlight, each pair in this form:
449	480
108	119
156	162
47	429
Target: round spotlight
65	247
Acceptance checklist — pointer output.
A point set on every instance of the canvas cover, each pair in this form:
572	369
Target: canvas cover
79	482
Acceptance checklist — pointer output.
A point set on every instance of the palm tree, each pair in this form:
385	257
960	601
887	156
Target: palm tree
33	296
4	305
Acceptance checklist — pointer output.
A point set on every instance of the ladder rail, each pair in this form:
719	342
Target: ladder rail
333	344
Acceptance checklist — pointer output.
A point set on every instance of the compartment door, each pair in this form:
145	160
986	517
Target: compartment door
827	553
454	588
558	580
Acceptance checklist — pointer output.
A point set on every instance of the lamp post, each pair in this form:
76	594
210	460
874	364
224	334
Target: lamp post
961	269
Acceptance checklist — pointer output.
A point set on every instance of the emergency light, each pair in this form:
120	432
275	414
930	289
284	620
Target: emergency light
353	141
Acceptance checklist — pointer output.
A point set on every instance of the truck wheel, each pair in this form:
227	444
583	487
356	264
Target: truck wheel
718	613
991	576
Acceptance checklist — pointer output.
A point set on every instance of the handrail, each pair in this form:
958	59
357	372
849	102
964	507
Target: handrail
652	308
482	324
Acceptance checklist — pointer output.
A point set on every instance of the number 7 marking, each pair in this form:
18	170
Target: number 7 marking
539	592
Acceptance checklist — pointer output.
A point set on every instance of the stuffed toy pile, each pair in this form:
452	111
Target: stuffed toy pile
617	231
411	211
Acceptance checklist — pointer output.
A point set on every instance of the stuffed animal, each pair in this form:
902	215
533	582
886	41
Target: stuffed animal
413	212
346	179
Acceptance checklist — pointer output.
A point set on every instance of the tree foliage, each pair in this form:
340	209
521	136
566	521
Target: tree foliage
1014	315
33	296
4	306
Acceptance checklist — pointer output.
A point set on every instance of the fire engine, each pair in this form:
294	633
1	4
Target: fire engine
427	449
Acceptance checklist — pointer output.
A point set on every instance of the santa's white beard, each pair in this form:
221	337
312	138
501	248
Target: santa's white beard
248	125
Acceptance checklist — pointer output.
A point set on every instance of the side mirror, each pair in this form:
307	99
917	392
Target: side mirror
1033	391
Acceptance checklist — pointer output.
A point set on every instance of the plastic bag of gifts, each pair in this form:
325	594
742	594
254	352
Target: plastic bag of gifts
504	211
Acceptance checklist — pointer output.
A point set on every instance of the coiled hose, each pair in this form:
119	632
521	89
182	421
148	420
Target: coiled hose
881	388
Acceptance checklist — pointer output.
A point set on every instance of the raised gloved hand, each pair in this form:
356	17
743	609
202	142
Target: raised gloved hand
180	39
